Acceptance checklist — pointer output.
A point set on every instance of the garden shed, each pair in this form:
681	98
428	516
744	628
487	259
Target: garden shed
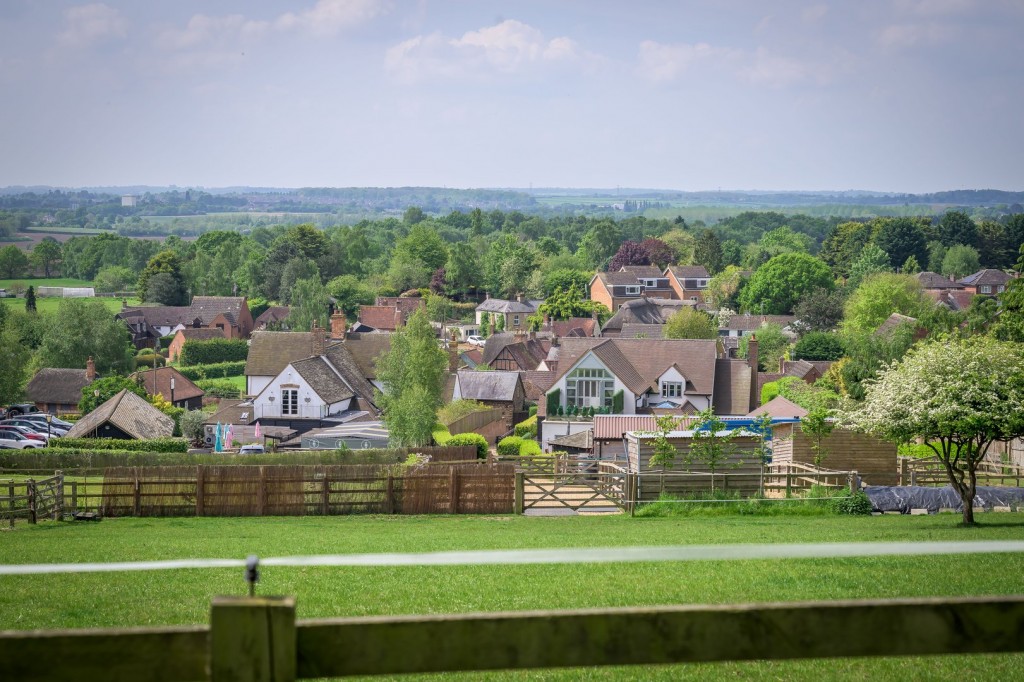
873	459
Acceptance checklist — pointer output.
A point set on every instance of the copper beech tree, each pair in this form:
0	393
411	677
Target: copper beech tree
958	396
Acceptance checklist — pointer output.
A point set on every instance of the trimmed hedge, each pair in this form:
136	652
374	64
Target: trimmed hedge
470	439
618	402
509	446
151	445
530	448
213	351
441	434
554	401
220	370
149	360
219	388
527	428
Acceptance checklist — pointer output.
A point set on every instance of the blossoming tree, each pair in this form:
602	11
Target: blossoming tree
959	396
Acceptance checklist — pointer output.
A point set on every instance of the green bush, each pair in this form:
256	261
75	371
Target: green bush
219	388
213	351
220	370
618	402
532	411
857	504
509	446
150	360
441	434
470	439
554	402
150	445
527	428
529	448
457	409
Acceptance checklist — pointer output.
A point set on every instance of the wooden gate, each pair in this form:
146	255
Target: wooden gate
598	487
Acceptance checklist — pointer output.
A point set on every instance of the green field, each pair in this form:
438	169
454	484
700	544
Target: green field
181	597
49	305
44	282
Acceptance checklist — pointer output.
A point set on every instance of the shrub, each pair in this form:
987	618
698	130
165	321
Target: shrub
191	424
219	388
441	434
220	370
532	411
150	445
618	402
554	402
529	448
527	428
213	351
149	360
457	409
509	446
470	439
857	504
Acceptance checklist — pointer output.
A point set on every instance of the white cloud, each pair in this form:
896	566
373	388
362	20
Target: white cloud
90	24
660	62
206	30
913	35
778	71
814	13
327	17
508	47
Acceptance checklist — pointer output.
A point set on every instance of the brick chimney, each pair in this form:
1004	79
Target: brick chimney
752	363
490	327
398	317
319	339
338	325
519	298
90	369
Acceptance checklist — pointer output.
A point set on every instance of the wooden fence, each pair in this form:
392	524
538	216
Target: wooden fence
474	421
32	500
931	473
258	638
281	490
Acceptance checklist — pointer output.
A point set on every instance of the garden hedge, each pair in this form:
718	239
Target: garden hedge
470	439
220	370
150	445
213	351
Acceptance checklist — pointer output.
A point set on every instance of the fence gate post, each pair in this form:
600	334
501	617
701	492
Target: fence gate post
200	490
252	638
30	493
519	493
453	491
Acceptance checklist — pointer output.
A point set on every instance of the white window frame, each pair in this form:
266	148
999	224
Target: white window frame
671	389
633	290
290	401
515	320
986	289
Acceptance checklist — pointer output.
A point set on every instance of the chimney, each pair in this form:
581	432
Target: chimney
490	327
90	369
597	323
319	339
752	363
338	324
398	317
519	298
554	340
453	351
532	335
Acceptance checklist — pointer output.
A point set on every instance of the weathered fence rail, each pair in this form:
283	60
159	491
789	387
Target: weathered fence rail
259	639
32	500
930	472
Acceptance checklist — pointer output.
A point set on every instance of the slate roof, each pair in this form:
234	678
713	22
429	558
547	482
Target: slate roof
987	277
688	272
57	385
779	407
159	381
274	313
581	440
933	280
271	352
496	385
206	308
322	378
500	305
732	387
128	412
638	363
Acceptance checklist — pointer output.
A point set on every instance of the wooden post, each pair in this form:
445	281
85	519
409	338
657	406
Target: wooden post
325	501
74	496
200	490
137	498
852	482
903	470
261	494
30	493
252	638
789	483
453	491
389	501
10	500
58	502
519	493
913	477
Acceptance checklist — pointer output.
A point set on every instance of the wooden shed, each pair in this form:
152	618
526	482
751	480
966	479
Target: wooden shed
873	459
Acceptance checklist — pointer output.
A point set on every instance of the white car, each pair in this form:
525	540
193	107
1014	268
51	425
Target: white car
475	340
11	439
251	449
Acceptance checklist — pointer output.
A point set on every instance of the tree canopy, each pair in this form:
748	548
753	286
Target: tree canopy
780	283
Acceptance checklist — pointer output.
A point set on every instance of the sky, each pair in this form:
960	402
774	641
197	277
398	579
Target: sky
897	95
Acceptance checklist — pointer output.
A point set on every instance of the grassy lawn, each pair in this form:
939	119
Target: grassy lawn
48	305
42	282
180	597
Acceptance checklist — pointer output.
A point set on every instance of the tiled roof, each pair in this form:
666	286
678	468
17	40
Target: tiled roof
986	278
957	299
581	440
495	385
732	387
754	322
643	271
527	352
274	313
799	368
271	352
57	385
407	304
618	278
160	315
206	308
365	349
324	381
688	271
933	280
201	333
499	305
128	412
779	407
342	358
159	381
536	384
612	426
380	317
577	326
895	320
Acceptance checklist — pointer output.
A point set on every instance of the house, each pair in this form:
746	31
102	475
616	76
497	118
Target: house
227	313
406	304
807	370
380	318
743	325
635	376
230	314
688	281
574	327
934	282
514	313
496	389
125	416
58	390
183	336
629	283
643	310
515	352
780	408
172	385
272	317
986	282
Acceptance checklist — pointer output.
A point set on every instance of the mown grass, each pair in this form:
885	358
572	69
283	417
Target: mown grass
45	282
48	305
181	597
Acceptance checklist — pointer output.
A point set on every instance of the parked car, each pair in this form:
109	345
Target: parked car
54	421
24	430
21	408
475	340
251	449
9	438
36	425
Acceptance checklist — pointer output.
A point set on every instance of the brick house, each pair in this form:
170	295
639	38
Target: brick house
629	283
688	281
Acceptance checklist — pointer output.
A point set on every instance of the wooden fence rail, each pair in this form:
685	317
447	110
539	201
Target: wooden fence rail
930	472
31	499
258	638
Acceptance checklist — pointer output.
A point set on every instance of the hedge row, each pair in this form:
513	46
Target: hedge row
213	351
514	446
441	434
219	388
527	428
220	370
470	439
150	445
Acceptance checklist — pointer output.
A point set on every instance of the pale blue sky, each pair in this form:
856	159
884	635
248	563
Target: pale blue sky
900	95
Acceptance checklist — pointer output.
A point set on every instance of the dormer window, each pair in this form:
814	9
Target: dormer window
672	389
652	283
633	291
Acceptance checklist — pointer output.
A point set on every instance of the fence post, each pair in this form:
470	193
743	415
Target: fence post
137	497
913	477
261	494
253	638
851	480
325	499
903	470
30	494
519	493
10	500
389	502
200	490
58	496
789	483
74	496
453	491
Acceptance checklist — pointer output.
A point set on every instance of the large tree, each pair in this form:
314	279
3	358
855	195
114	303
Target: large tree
46	255
14	361
13	262
956	227
707	251
881	295
959	396
901	238
780	283
310	303
81	329
871	260
167	262
688	323
413	374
